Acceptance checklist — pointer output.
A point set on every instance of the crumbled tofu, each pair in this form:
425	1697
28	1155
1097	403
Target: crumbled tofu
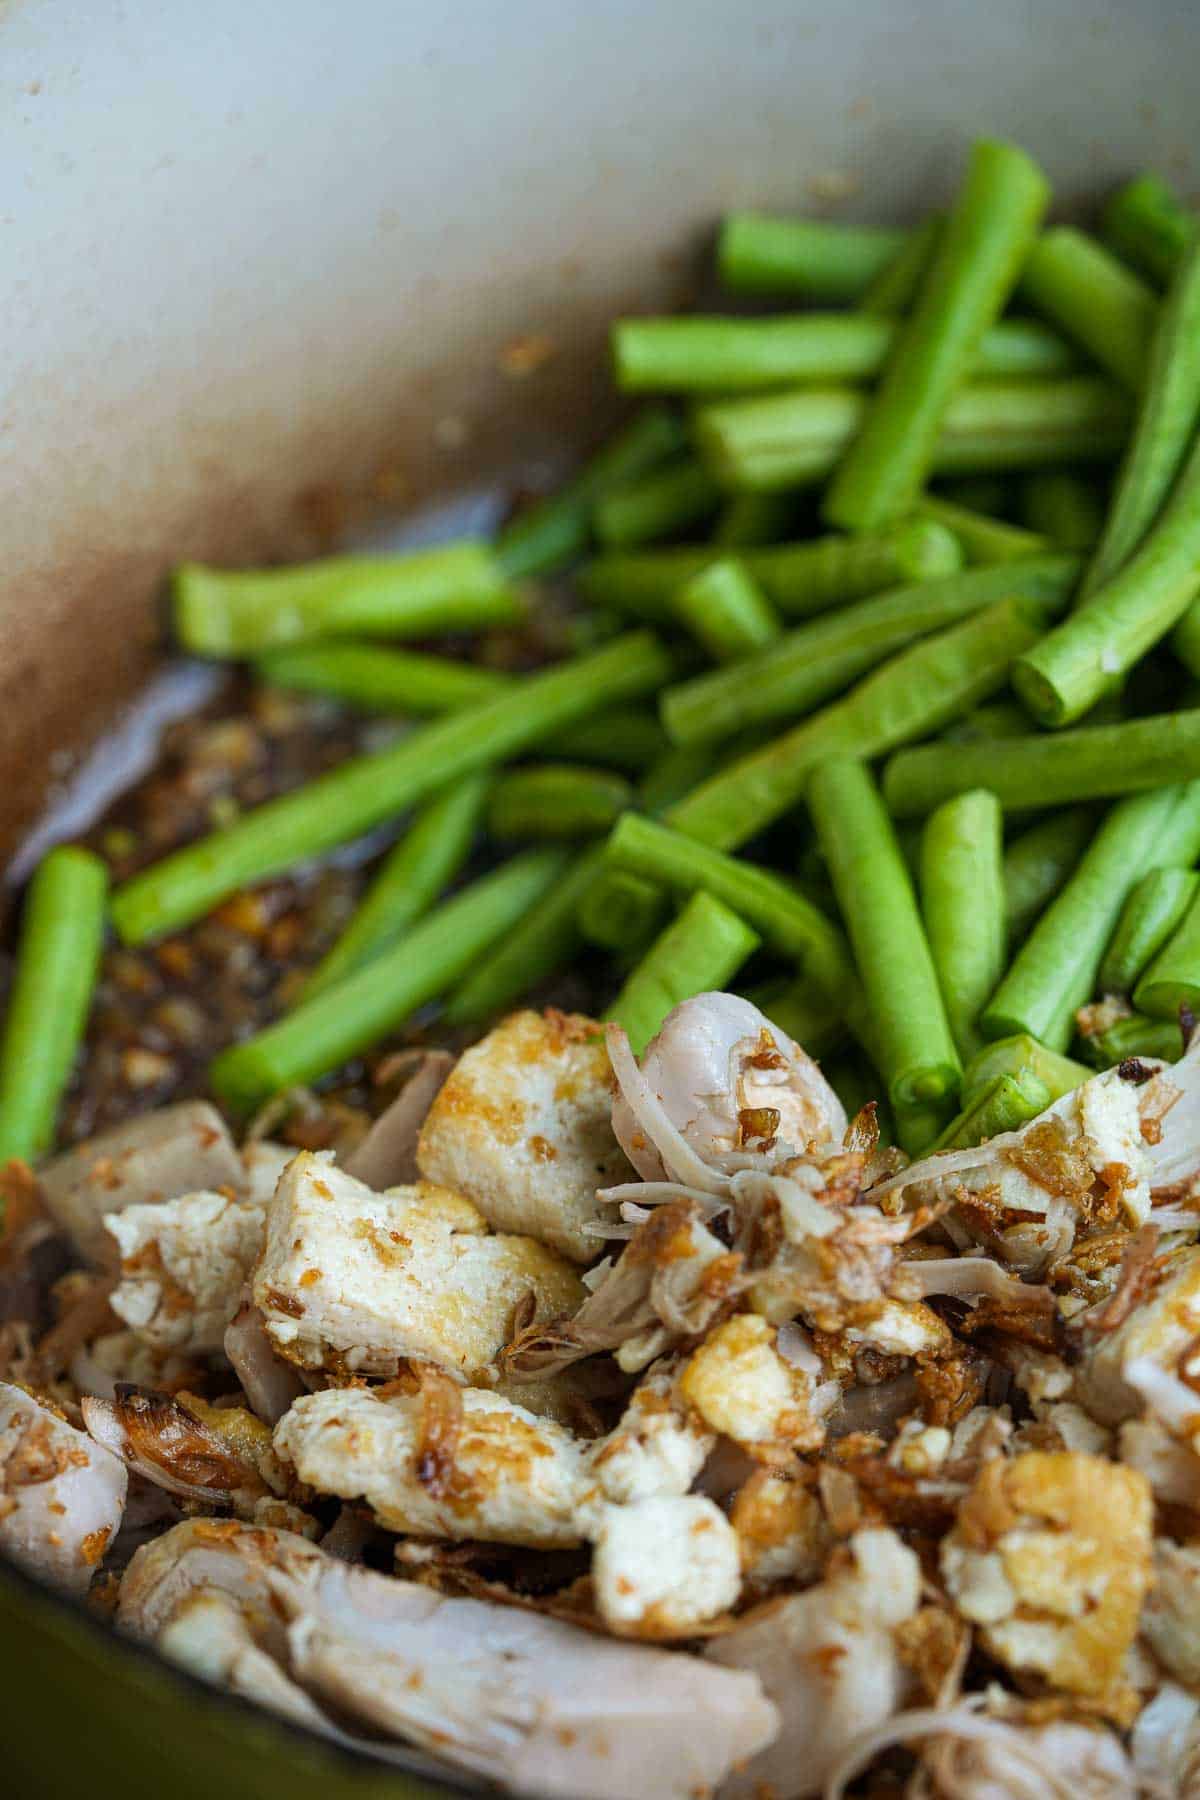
121	1356
505	1476
900	1328
523	1127
183	1263
61	1495
263	1162
1171	1468
664	1566
781	1530
1076	1429
1159	1330
1050	1556
1171	1615
920	1449
1110	1123
659	1446
742	1387
183	1149
357	1281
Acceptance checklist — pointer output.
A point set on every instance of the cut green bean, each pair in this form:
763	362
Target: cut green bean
1026	1062
981	493
556	801
58	956
1038	863
727	612
748	521
1172	980
1064	507
675	773
757	254
665	503
998	719
1135	1036
697	354
896	286
918	1127
627	737
984	540
543	941
810	1017
799	579
822	658
917	692
351	1017
794	439
1145	223
1089	763
979	255
962	904
698	953
1054	972
1163	430
1094	298
229	613
413	874
368	789
621	910
1005	1105
918	1059
786	920
553	532
1149	917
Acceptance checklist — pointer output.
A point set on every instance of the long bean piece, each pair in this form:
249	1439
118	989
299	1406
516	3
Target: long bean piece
1091	762
1063	507
818	660
227	612
979	254
917	1056
542	941
727	612
662	504
894	289
1054	972
1037	864
368	789
748	521
620	910
794	439
553	532
757	254
962	903
984	540
1145	223
699	952
353	1015
58	955
1094	298
555	801
917	692
1135	1036
412	875
705	354
1026	1061
798	579
1148	918
1172	980
1005	1105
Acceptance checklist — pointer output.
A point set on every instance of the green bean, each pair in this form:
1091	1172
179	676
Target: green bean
664	503
413	874
1037	864
1172	980
962	903
351	1017
1005	1105
998	719
1091	762
1094	298
917	692
555	801
1026	1062
897	284
675	773
787	921
1149	917
697	354
918	1059
368	789
750	520
621	910
918	1127
799	579
545	939
982	493
757	254
225	612
809	1016
727	612
1145	223
58	955
1054	972
627	737
698	953
984	540
1135	1036
822	658
1064	507
986	238
794	439
553	532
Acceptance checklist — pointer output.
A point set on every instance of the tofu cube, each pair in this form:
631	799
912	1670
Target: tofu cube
664	1566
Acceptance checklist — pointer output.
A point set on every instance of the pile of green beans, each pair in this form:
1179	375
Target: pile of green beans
912	566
